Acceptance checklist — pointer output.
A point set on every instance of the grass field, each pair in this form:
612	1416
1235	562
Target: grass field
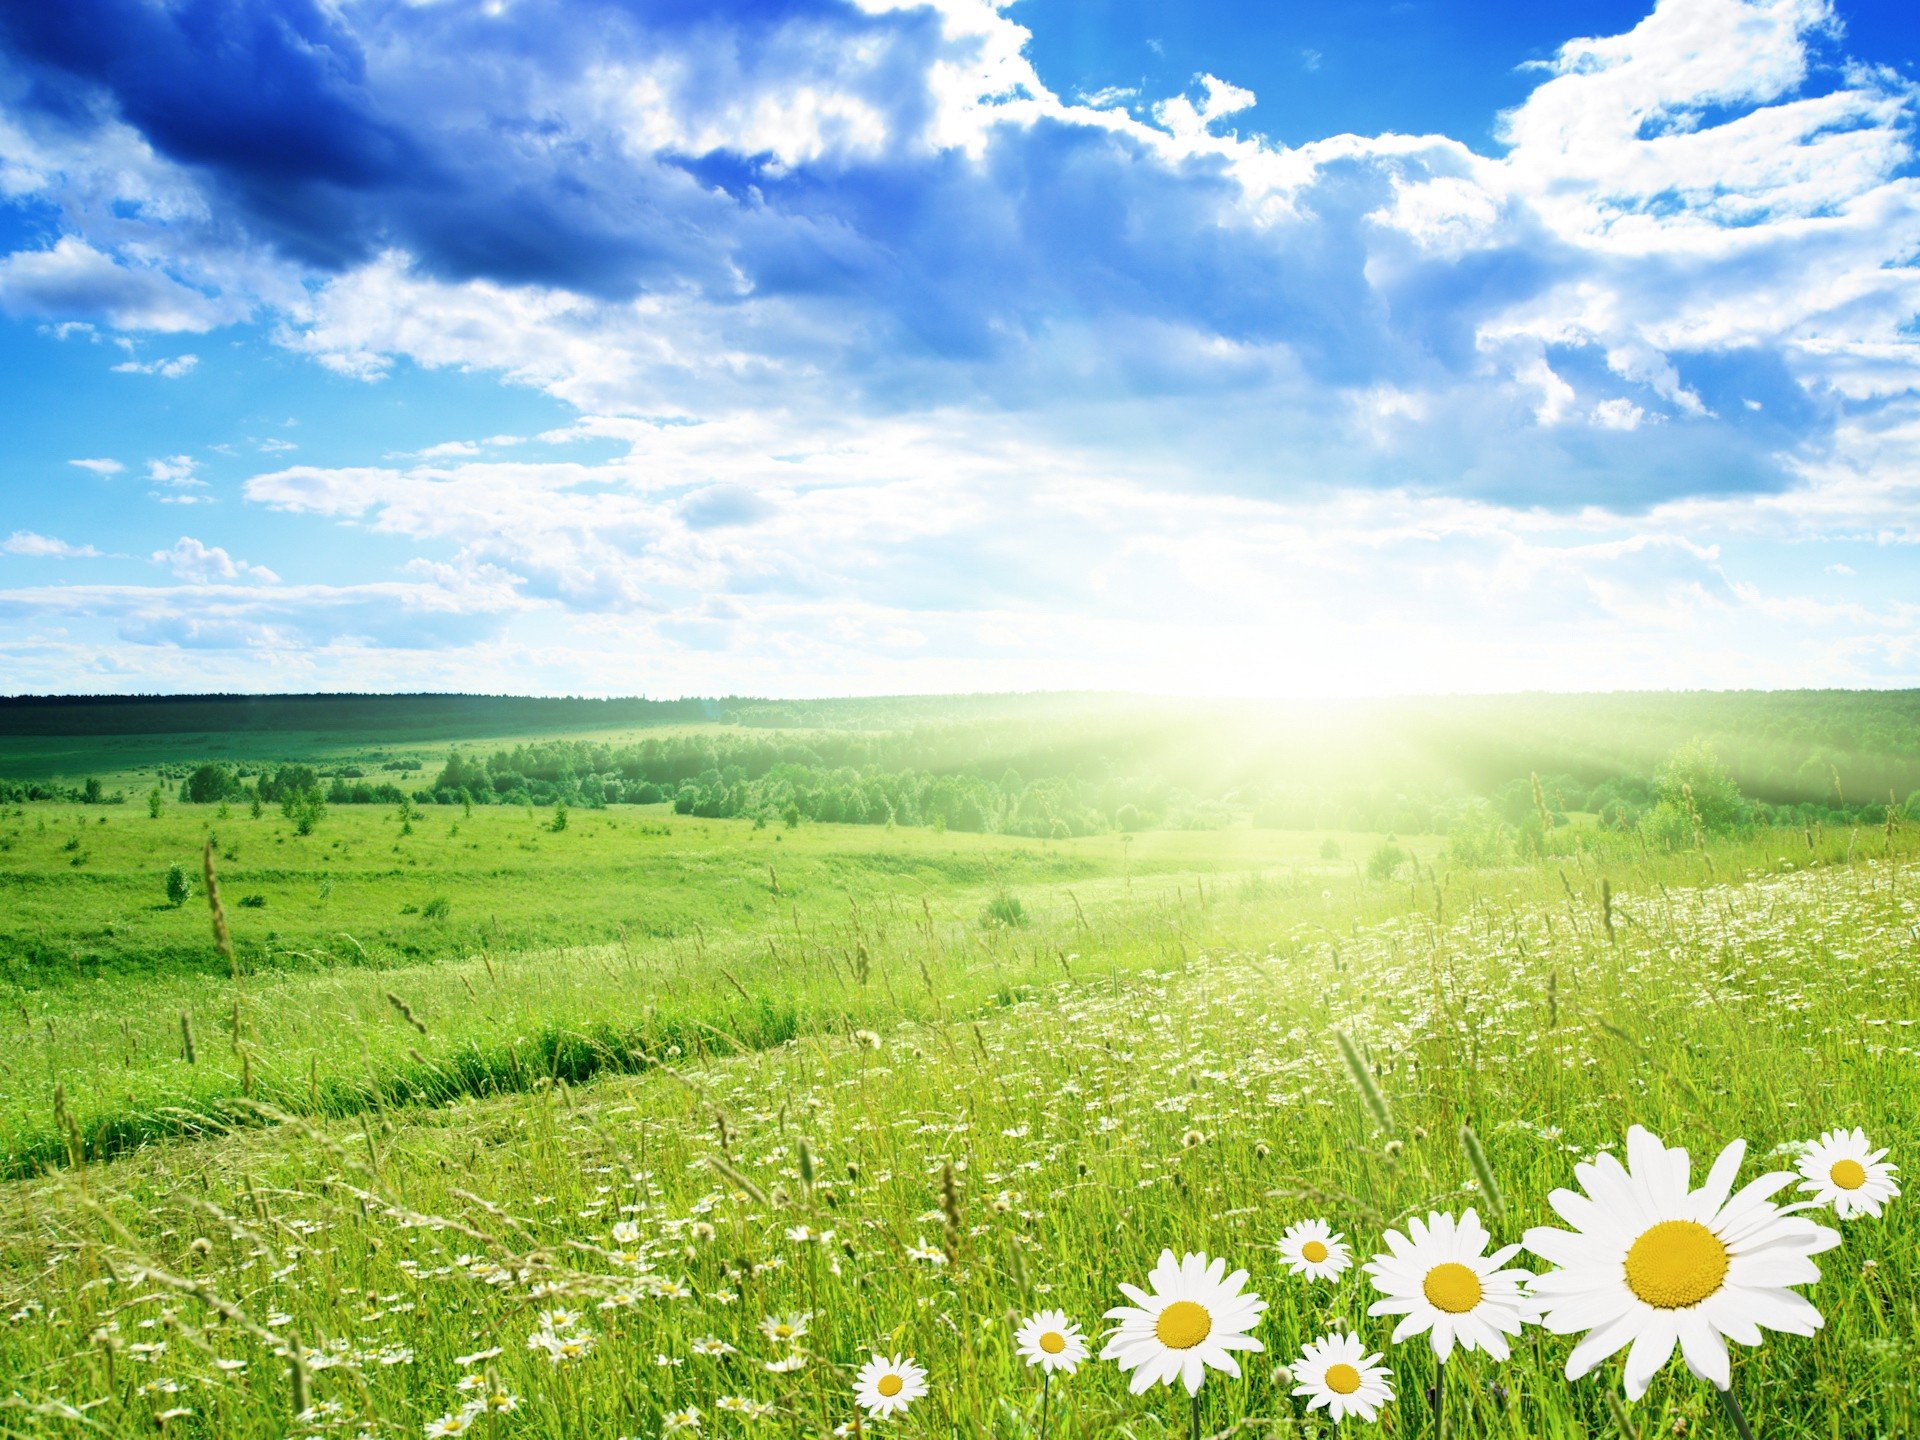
910	1126
631	931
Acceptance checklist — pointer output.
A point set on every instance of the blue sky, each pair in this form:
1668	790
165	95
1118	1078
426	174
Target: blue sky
833	346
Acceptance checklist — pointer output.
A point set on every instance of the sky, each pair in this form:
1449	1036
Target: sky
813	347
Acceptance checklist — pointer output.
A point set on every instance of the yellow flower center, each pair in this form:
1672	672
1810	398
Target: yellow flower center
1848	1174
1053	1342
1453	1288
1342	1379
890	1385
783	1332
1183	1325
1313	1252
1676	1264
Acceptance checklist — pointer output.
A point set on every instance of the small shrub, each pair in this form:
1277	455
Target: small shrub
1384	861
438	908
1005	911
179	885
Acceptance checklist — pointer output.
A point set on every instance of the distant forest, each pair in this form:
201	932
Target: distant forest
1496	772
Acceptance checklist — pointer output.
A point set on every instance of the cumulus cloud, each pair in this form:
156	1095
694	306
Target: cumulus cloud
170	369
99	467
74	280
883	208
190	559
178	471
45	547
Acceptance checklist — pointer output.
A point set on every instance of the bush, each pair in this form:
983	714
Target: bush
438	908
179	885
1479	838
1384	861
305	808
1004	911
209	784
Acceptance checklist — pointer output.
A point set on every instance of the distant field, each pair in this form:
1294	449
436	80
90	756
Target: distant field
85	886
495	926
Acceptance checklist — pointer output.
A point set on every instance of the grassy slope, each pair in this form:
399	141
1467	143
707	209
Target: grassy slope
346	891
1189	1096
587	948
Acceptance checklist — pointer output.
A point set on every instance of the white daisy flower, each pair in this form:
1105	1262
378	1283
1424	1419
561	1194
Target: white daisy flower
1844	1171
1310	1248
1439	1277
1051	1341
1653	1263
786	1329
1193	1318
886	1387
1336	1374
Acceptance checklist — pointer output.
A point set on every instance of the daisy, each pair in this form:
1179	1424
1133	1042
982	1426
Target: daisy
886	1387
785	1329
1440	1278
1652	1262
1335	1373
1310	1248
1051	1341
1842	1170
1193	1317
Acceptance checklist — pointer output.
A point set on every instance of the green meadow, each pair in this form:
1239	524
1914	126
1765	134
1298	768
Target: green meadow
562	1119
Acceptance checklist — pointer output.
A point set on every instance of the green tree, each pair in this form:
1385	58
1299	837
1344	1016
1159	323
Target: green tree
1385	861
156	802
305	809
209	784
1479	838
179	885
1695	782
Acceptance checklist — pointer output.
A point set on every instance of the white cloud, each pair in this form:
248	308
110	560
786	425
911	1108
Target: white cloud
174	470
74	280
171	369
189	559
99	467
45	547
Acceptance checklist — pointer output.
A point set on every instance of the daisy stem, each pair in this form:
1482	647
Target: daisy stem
1735	1413
1046	1397
1440	1399
1194	1429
